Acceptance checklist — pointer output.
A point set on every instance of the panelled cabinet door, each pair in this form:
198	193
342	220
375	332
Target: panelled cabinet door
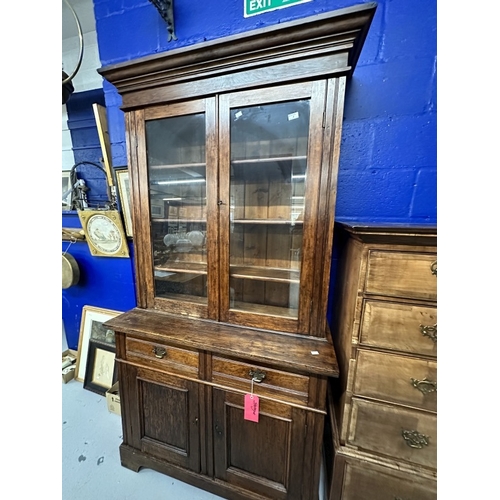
269	159
165	418
265	456
178	173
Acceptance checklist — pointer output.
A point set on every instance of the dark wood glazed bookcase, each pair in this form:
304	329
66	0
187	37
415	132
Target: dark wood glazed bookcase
233	149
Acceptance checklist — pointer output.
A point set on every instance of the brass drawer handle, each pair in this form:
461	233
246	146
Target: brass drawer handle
424	386
257	375
159	352
430	331
414	439
434	268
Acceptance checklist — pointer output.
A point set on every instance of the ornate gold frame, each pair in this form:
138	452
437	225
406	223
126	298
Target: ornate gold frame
107	244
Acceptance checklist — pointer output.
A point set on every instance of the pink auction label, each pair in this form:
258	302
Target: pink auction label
251	407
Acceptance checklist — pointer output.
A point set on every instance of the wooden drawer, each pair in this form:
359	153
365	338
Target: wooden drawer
277	384
401	274
173	359
396	379
363	480
399	327
380	428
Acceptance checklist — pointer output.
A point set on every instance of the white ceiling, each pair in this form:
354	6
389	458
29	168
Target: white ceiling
84	11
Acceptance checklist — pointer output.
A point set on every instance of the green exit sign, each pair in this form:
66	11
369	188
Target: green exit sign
253	7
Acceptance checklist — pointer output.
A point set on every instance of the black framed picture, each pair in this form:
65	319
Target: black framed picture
101	371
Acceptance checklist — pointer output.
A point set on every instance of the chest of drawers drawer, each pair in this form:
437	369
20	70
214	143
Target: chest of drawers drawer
384	484
401	274
159	355
276	384
395	432
410	328
396	379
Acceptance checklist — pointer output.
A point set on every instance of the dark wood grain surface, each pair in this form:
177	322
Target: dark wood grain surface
282	350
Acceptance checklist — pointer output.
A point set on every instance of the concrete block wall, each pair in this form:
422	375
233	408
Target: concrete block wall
388	165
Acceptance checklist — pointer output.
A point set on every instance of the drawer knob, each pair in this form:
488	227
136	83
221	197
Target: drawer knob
424	386
159	352
414	439
430	331
434	268
257	375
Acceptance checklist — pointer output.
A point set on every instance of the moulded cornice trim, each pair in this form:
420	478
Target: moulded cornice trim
338	32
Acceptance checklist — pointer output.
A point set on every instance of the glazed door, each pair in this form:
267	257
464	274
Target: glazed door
270	163
179	173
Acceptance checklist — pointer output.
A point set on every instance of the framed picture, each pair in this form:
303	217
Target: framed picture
66	190
157	209
91	327
122	179
100	372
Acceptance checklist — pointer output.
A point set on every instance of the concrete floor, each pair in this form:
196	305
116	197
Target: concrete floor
91	466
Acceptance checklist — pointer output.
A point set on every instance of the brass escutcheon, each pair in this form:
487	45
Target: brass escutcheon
424	386
434	268
414	439
430	331
159	352
257	375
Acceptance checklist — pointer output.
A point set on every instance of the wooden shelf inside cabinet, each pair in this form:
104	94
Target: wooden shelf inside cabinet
172	272
177	165
265	274
187	221
266	221
241	161
264	309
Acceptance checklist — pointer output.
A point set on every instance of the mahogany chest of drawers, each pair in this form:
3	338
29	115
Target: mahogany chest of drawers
381	435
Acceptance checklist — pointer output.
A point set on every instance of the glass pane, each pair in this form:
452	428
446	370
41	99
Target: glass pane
177	194
268	172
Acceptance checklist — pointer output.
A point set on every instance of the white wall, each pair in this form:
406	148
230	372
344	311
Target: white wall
87	77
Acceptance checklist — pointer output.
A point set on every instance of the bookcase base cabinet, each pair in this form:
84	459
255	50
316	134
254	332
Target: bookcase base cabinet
183	406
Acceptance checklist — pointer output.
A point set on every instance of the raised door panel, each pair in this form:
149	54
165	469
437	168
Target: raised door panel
396	379
401	274
410	328
363	481
265	457
168	417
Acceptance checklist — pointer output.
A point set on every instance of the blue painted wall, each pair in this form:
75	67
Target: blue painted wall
388	155
105	282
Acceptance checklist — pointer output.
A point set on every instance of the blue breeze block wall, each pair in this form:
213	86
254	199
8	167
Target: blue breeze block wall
388	156
388	166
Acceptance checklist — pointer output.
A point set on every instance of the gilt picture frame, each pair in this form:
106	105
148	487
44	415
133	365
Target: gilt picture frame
123	181
92	328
